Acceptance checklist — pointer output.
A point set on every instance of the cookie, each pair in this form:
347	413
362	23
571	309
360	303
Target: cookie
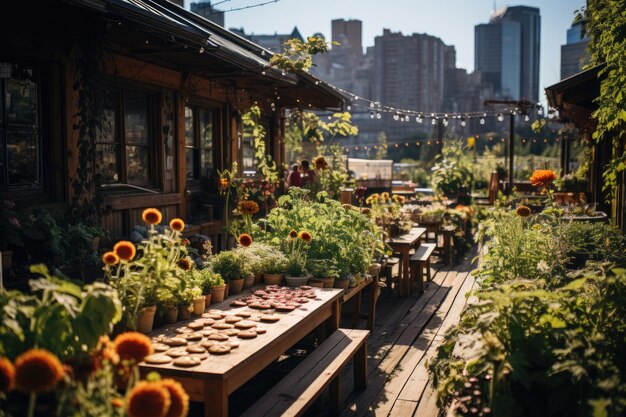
222	326
233	345
208	343
284	307
187	361
220	349
244	314
260	306
247	334
193	336
270	318
260	330
183	330
232	319
158	359
213	316
305	287
177	353
218	336
196	325
208	332
160	347
195	349
207	322
238	303
245	324
231	332
175	341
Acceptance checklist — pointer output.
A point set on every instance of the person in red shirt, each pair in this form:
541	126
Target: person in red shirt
294	179
307	174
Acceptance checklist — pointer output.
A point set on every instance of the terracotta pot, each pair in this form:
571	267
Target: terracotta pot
257	277
199	306
183	312
342	283
207	299
145	320
328	282
297	281
171	315
236	286
7	258
374	269
227	290
217	294
316	282
273	279
248	281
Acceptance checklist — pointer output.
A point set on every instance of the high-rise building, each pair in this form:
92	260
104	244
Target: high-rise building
273	42
206	10
507	52
574	53
348	33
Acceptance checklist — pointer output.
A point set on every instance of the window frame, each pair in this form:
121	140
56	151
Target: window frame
216	114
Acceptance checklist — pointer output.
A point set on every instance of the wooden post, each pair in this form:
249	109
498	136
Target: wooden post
360	368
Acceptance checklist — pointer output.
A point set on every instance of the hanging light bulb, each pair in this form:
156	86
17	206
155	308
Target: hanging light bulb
433	121
262	72
407	118
526	118
482	121
396	117
419	119
463	123
356	98
540	111
378	115
349	108
500	117
372	104
445	122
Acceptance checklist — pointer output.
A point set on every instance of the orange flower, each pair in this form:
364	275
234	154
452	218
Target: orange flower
522	211
133	346
305	236
151	216
125	250
148	399
245	240
107	351
177	225
7	375
180	400
37	370
542	177
224	184
184	263
248	207
384	196
110	258
293	234
117	402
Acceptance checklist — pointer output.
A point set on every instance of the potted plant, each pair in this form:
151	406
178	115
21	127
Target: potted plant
323	271
207	279
218	286
256	257
249	256
230	267
273	266
296	251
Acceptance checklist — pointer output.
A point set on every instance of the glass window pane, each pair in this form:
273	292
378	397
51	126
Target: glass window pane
190	163
206	128
188	126
21	101
206	163
108	132
22	155
108	165
136	118
138	163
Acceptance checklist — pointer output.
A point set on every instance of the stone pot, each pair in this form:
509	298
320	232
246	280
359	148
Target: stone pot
207	299
273	279
184	312
198	306
171	315
342	283
236	286
217	294
248	281
145	319
374	269
297	281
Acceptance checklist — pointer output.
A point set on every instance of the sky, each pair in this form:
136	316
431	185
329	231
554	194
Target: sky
451	20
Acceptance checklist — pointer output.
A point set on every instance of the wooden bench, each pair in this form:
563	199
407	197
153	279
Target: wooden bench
321	369
420	261
392	268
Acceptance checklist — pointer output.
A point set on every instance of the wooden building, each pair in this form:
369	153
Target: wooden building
126	104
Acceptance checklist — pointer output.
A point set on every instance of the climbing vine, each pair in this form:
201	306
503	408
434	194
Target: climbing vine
298	55
253	128
87	201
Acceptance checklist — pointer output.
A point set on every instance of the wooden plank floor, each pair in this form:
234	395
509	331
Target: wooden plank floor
406	334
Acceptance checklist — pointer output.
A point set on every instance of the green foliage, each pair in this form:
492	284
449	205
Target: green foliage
261	257
602	242
229	265
298	55
59	316
381	152
451	171
253	128
333	177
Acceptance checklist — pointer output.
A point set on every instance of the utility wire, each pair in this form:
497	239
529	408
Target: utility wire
244	7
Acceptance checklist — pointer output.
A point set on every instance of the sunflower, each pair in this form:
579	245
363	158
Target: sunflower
542	177
522	211
177	225
125	250
110	258
293	234
7	375
151	216
133	346
148	399
384	196
184	263
248	207
245	240
372	198
305	236
37	370
180	400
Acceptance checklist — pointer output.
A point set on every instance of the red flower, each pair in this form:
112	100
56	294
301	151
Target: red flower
245	240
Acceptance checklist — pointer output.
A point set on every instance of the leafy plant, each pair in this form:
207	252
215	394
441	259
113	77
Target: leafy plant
451	172
298	55
229	265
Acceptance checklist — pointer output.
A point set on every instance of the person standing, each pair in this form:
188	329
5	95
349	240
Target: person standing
294	179
306	173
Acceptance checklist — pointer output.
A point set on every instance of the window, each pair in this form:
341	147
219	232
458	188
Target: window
20	137
199	130
124	144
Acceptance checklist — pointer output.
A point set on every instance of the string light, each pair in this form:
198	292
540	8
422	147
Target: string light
526	118
433	121
482	121
378	115
463	123
500	117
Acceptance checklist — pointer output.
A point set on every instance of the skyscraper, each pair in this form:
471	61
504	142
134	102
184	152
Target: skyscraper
574	53
206	10
507	52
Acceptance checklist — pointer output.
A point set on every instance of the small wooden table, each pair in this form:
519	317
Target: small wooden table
218	376
403	245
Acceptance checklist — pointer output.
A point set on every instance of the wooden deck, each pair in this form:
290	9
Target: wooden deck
406	334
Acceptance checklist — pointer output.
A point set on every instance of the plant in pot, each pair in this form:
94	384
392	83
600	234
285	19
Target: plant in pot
273	266
207	280
255	257
190	299
296	248
137	278
249	258
323	272
231	268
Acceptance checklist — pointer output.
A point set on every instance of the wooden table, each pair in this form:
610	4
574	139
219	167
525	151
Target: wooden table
218	376
403	245
354	293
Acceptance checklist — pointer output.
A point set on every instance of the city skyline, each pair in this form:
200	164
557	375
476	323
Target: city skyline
451	20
